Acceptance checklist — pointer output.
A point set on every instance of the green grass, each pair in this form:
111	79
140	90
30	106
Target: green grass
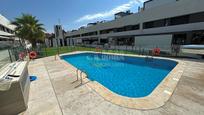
68	49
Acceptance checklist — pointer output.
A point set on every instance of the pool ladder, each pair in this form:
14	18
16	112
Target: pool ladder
149	57
80	75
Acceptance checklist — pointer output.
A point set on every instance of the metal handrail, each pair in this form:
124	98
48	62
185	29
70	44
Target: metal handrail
81	71
77	74
85	73
81	77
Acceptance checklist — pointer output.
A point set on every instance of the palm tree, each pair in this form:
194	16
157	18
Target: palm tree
29	28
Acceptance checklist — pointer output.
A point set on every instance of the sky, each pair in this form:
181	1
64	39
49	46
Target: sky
71	14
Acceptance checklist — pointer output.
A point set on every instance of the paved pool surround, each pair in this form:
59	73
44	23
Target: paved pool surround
160	95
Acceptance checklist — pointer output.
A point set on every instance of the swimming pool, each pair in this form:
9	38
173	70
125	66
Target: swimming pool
124	75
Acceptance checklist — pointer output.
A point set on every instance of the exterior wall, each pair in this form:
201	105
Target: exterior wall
4	44
155	36
47	42
55	42
6	33
150	42
155	3
58	35
5	22
79	41
71	41
172	9
68	41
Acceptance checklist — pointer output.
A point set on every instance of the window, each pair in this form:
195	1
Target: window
179	39
186	19
121	29
90	33
107	31
153	24
198	17
75	36
179	20
198	38
136	27
148	25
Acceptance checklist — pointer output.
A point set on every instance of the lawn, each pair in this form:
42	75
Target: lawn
67	49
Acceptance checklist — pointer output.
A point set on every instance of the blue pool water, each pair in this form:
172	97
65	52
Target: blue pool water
126	76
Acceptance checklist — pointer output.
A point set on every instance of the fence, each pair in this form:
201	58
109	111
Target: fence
4	57
42	51
165	51
10	55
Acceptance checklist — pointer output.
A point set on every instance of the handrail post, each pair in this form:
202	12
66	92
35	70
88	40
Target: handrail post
81	76
10	55
77	74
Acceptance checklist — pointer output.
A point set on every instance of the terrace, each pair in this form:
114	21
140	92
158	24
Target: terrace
57	92
147	62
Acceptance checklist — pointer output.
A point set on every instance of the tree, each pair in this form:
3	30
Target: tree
29	28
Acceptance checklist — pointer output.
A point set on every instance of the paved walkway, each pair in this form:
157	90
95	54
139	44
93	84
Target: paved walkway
56	92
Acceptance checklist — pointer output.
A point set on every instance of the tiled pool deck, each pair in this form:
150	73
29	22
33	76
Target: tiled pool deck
157	98
56	92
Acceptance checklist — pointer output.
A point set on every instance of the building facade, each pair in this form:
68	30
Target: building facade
160	23
56	39
49	38
7	36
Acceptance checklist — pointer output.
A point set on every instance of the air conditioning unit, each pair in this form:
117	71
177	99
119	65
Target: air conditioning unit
14	88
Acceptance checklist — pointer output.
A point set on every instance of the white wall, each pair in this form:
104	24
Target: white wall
5	22
59	34
156	3
168	10
55	42
78	41
150	42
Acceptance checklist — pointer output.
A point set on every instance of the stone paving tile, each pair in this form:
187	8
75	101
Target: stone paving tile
42	99
43	106
72	99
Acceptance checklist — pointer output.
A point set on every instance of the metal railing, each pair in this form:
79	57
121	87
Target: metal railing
43	51
80	76
5	57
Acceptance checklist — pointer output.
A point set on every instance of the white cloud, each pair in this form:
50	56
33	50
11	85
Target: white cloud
110	13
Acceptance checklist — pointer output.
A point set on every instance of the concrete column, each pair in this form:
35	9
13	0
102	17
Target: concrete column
54	42
75	41
59	40
63	42
141	26
99	40
110	41
68	43
114	41
72	42
135	42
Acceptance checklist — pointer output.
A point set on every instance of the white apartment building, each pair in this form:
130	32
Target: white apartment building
7	36
160	23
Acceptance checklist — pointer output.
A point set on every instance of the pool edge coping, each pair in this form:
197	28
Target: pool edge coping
159	96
